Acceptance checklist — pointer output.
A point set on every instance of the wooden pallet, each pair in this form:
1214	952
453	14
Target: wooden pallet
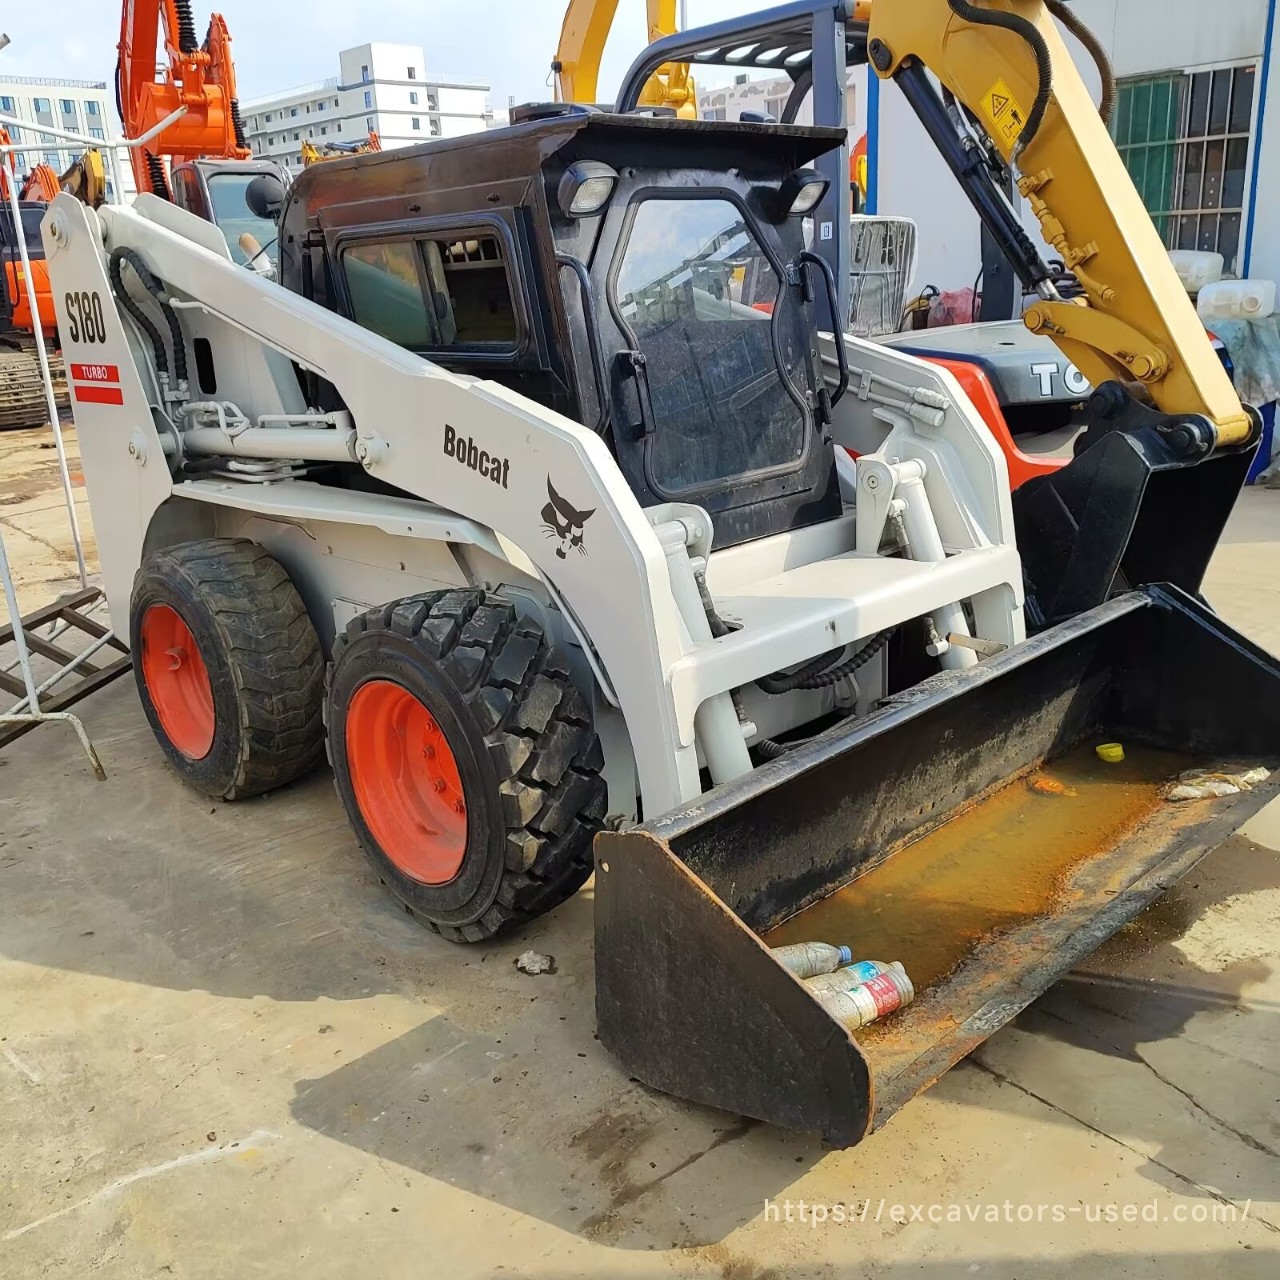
88	677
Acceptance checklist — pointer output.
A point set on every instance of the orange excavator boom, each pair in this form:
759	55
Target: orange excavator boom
8	169
42	184
199	77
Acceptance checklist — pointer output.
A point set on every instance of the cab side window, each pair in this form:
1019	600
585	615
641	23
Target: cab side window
432	294
386	293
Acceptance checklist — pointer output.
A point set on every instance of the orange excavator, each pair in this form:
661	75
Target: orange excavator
86	180
22	400
201	161
40	185
199	77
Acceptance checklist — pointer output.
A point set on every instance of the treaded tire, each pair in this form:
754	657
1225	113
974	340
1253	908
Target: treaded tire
263	658
521	735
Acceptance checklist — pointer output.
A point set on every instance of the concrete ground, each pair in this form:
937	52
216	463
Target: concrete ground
33	516
225	1052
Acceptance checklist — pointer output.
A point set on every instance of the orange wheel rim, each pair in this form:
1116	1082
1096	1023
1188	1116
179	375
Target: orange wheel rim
406	782
177	681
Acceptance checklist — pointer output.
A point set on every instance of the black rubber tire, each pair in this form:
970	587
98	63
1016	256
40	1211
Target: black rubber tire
263	656
521	735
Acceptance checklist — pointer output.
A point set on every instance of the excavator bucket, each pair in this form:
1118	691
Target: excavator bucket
968	828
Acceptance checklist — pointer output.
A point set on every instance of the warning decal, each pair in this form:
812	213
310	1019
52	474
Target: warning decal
1004	113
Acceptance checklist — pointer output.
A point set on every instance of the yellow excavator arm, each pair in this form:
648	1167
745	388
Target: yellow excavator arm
1007	63
583	36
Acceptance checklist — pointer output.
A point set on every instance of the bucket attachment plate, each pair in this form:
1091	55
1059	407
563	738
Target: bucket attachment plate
918	824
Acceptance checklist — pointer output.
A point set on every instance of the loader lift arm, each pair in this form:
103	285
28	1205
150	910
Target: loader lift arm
583	36
199	77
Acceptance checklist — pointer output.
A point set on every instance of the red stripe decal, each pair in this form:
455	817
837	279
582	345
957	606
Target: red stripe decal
95	372
98	395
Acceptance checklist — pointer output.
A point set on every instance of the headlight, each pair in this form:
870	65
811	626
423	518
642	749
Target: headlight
585	188
802	192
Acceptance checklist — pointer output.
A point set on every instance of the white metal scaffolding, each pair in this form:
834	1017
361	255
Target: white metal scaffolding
73	613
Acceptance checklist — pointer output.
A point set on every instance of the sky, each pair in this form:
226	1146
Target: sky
511	47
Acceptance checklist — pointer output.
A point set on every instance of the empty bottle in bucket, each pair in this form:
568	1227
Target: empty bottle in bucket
809	959
863	1004
853	975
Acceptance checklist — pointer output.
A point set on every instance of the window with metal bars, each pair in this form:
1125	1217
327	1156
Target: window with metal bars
1184	138
434	292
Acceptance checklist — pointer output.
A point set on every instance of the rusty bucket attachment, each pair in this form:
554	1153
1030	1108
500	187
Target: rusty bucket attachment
966	828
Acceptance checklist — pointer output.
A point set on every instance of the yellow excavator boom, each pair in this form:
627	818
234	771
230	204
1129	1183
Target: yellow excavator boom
583	37
1000	58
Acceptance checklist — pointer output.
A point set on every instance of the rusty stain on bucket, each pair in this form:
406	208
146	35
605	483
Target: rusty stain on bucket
999	863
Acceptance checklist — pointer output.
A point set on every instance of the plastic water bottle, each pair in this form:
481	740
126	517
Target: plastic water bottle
861	1005
853	975
809	959
1196	268
1237	300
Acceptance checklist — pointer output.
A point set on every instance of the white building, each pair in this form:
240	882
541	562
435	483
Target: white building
79	106
382	88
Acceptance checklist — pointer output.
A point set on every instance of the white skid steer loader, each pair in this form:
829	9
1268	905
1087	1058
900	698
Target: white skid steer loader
530	488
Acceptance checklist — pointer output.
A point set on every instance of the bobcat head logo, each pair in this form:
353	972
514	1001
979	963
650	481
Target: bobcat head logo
563	522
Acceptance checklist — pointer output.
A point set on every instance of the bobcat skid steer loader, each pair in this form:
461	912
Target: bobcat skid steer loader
528	489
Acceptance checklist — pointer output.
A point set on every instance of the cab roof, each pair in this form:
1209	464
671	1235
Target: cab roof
524	148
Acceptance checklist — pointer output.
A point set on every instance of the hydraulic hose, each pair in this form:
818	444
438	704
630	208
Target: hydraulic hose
1044	61
833	675
153	287
820	674
780	683
767	748
116	272
719	628
1081	30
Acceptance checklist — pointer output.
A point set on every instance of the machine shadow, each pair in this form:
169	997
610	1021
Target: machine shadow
567	1137
563	1135
144	879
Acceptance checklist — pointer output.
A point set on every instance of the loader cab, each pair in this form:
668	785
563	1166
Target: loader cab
645	276
219	192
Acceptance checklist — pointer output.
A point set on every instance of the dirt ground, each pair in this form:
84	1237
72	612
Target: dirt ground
224	1052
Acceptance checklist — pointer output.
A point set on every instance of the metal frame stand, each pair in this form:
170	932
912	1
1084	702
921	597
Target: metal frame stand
72	612
28	712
